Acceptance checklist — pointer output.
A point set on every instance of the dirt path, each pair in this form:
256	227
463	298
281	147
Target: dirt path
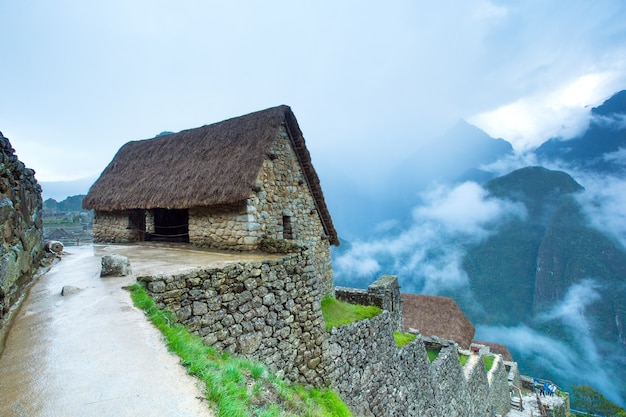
92	353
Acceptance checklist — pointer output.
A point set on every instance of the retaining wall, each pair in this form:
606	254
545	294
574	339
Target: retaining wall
271	311
267	310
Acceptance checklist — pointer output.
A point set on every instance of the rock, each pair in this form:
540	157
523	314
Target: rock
69	290
115	266
54	246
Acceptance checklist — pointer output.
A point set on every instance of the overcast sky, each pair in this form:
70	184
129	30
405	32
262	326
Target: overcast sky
367	83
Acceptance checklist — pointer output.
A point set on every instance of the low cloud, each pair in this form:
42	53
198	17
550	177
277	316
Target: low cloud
603	203
426	254
547	357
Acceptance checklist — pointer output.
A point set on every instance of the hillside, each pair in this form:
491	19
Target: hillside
502	269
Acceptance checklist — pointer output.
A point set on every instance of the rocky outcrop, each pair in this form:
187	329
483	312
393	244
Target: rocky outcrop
21	230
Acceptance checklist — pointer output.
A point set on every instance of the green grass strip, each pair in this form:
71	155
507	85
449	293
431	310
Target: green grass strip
238	387
488	361
338	313
432	354
403	338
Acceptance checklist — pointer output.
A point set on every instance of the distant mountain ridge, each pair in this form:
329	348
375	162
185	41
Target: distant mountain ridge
606	135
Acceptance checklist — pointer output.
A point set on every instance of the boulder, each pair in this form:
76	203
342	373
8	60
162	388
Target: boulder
115	266
69	290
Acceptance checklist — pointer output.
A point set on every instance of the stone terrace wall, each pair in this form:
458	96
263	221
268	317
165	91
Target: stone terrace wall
383	293
267	310
477	386
21	230
271	311
373	376
454	397
499	396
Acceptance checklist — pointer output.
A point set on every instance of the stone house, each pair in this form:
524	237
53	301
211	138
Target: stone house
232	185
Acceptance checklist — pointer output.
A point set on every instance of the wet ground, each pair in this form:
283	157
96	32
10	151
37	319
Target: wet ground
92	353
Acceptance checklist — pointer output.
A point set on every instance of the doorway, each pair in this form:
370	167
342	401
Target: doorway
171	225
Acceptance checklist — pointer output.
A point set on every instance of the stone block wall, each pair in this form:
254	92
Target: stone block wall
383	293
477	386
269	311
451	383
374	377
21	228
499	396
113	227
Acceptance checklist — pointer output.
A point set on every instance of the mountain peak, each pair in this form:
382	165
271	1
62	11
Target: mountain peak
616	104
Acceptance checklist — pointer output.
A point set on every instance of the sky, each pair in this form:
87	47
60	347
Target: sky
368	83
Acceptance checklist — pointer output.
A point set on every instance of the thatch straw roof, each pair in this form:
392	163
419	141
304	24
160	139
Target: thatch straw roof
437	316
207	166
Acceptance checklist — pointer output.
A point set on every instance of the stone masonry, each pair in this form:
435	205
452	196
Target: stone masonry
271	311
281	207
267	310
21	230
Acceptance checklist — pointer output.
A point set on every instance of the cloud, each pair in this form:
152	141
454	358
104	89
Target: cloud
568	364
571	309
426	253
557	112
604	200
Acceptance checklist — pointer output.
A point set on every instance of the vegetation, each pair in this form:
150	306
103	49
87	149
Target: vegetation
337	313
432	354
593	402
403	338
237	387
488	361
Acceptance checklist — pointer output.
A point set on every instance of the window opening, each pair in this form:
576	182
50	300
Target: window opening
287	228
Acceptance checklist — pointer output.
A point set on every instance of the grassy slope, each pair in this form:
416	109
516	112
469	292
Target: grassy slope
237	386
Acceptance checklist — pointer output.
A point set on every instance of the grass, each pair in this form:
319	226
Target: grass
432	354
403	338
337	313
238	386
488	361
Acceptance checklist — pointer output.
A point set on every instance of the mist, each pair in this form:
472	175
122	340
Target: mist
567	364
427	252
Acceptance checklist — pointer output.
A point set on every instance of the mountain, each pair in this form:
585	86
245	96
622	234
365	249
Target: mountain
551	271
59	190
502	269
606	135
455	156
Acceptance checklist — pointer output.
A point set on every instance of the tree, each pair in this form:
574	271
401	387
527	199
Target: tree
593	402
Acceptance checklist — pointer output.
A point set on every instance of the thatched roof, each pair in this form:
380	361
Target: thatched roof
437	316
207	166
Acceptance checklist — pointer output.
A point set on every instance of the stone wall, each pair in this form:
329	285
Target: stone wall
113	227
271	311
281	207
499	396
477	386
374	377
383	293
267	310
21	230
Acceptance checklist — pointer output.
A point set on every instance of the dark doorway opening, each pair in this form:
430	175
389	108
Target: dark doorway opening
137	222
171	225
